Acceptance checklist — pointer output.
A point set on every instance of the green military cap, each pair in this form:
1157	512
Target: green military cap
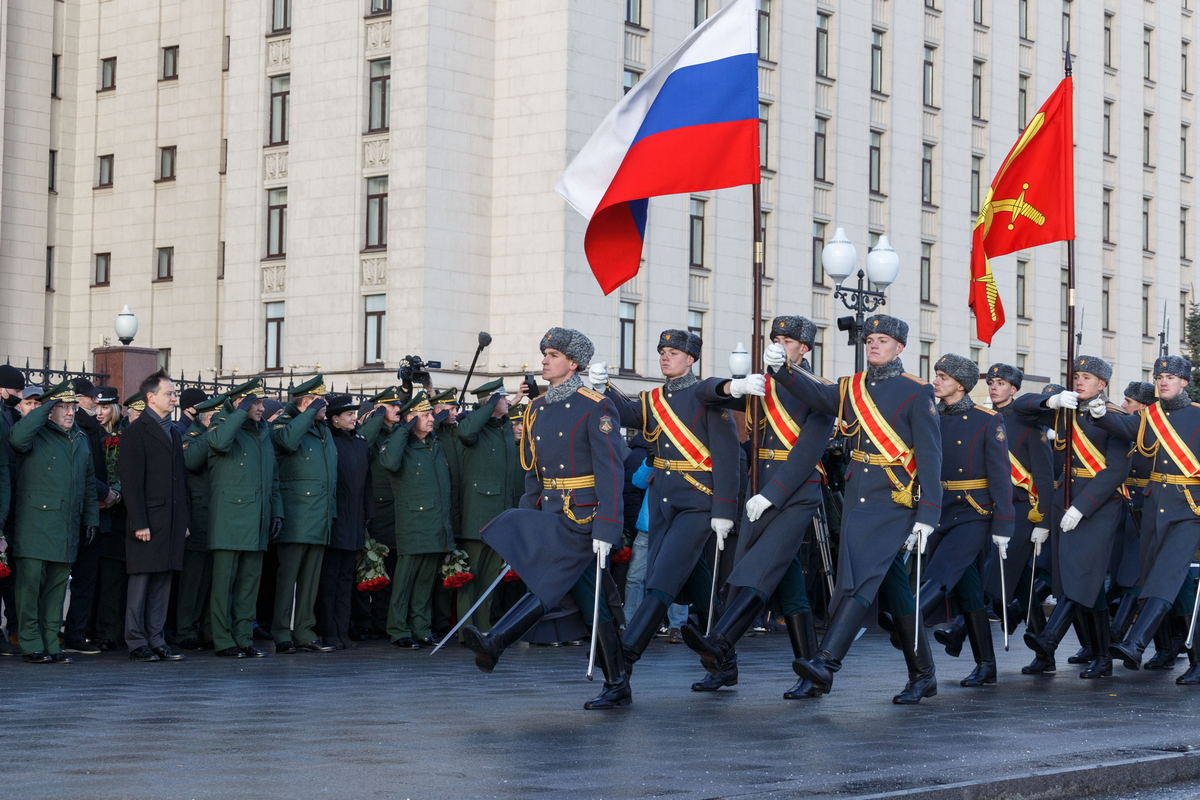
136	402
419	402
388	395
251	388
63	393
517	413
314	386
490	388
444	396
216	401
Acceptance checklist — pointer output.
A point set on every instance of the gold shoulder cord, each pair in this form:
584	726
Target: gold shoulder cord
527	422
648	415
1138	445
843	392
1060	442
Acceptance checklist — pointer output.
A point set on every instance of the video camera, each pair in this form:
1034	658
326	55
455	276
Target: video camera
415	371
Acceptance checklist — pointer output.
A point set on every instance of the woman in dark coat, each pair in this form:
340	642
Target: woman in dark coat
348	533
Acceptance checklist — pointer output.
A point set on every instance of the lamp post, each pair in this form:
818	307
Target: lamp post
126	326
838	259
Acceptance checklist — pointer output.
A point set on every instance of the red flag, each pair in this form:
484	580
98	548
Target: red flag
1031	202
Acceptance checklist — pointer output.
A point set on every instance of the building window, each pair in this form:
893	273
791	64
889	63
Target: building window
104	178
108	74
224	157
1183	72
696	326
696	234
977	90
764	130
1146	305
923	363
381	80
377	213
164	267
1183	315
628	313
166	163
874	165
50	269
819	149
764	29
1023	18
927	174
274	336
926	272
931	4
876	61
978	16
1183	149
1022	102
1062	296
1108	40
281	93
1022	362
699	12
630	79
1106	131
1066	26
277	223
927	77
976	184
281	16
220	261
816	356
376	328
763	219
55	63
818	270
1022	289
163	359
170	63
52	181
633	12
1146	243
225	55
1147	37
1146	119
1106	215
103	269
823	45
1183	231
1106	304
381	6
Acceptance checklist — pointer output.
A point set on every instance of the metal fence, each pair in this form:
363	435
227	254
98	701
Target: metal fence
45	376
277	385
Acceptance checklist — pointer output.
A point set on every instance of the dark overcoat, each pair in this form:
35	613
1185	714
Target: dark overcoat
154	485
354	503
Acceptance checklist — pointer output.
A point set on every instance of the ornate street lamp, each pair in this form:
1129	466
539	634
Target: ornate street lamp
883	265
126	326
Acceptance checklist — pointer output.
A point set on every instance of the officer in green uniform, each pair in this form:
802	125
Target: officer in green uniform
421	488
445	427
307	460
490	485
193	625
55	499
371	608
244	512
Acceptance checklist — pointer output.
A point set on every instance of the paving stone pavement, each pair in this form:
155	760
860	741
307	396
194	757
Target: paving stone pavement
380	723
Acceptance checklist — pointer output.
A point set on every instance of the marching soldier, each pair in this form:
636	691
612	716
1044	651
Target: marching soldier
893	500
793	440
371	608
307	464
193	622
55	502
245	511
1085	530
571	514
1123	565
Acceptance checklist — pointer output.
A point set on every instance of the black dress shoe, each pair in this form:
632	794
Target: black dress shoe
35	658
167	654
143	653
284	648
61	658
7	649
191	644
314	647
407	643
347	642
230	652
253	652
106	645
428	641
82	647
260	633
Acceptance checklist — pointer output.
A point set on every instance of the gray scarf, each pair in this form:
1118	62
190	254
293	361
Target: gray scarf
955	408
564	390
679	384
1181	400
891	369
1006	411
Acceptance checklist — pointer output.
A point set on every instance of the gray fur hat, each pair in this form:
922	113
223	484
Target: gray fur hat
1141	391
963	370
889	326
1173	365
685	341
1006	372
1053	388
1094	366
794	327
571	343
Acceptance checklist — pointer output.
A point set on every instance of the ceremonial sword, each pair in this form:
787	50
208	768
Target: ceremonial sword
595	616
463	619
1003	596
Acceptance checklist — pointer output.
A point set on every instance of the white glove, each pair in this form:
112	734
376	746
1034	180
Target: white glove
1070	519
1064	399
598	375
755	507
1097	408
1039	537
601	549
721	527
1051	435
919	537
751	384
774	356
1001	543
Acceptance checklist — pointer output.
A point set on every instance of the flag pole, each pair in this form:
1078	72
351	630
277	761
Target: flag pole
756	343
1069	448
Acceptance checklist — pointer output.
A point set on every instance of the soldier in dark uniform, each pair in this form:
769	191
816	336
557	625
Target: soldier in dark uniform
571	514
893	501
307	463
244	513
1085	530
193	622
793	439
693	494
56	511
371	608
1168	432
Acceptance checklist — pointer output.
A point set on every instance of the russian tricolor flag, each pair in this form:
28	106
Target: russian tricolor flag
689	125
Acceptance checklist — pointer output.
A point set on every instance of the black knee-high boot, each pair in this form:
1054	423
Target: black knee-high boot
952	636
519	619
1191	677
1046	642
1123	616
1168	643
843	628
979	630
1082	632
1101	665
735	621
803	637
1130	651
922	677
1041	665
932	596
616	691
641	629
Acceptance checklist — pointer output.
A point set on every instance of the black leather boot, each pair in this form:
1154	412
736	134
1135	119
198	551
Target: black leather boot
641	629
803	637
1041	665
727	675
932	597
952	636
1014	616
1168	643
1192	676
519	619
1101	665
1123	616
979	630
735	621
843	629
1084	654
1154	612
922	677
1046	641
612	663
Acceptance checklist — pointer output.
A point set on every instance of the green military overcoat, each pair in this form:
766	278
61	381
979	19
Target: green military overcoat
383	525
244	482
420	480
488	478
307	459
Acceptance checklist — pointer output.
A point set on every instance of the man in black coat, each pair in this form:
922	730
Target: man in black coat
348	532
154	481
12	382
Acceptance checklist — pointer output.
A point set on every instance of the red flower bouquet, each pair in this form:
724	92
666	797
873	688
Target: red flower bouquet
511	576
370	572
623	555
457	579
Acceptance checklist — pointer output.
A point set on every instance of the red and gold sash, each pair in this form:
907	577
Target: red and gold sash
1169	438
1022	479
683	439
781	422
882	435
1091	457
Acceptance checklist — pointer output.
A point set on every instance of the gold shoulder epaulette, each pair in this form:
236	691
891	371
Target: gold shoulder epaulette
280	425
987	410
914	378
590	394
